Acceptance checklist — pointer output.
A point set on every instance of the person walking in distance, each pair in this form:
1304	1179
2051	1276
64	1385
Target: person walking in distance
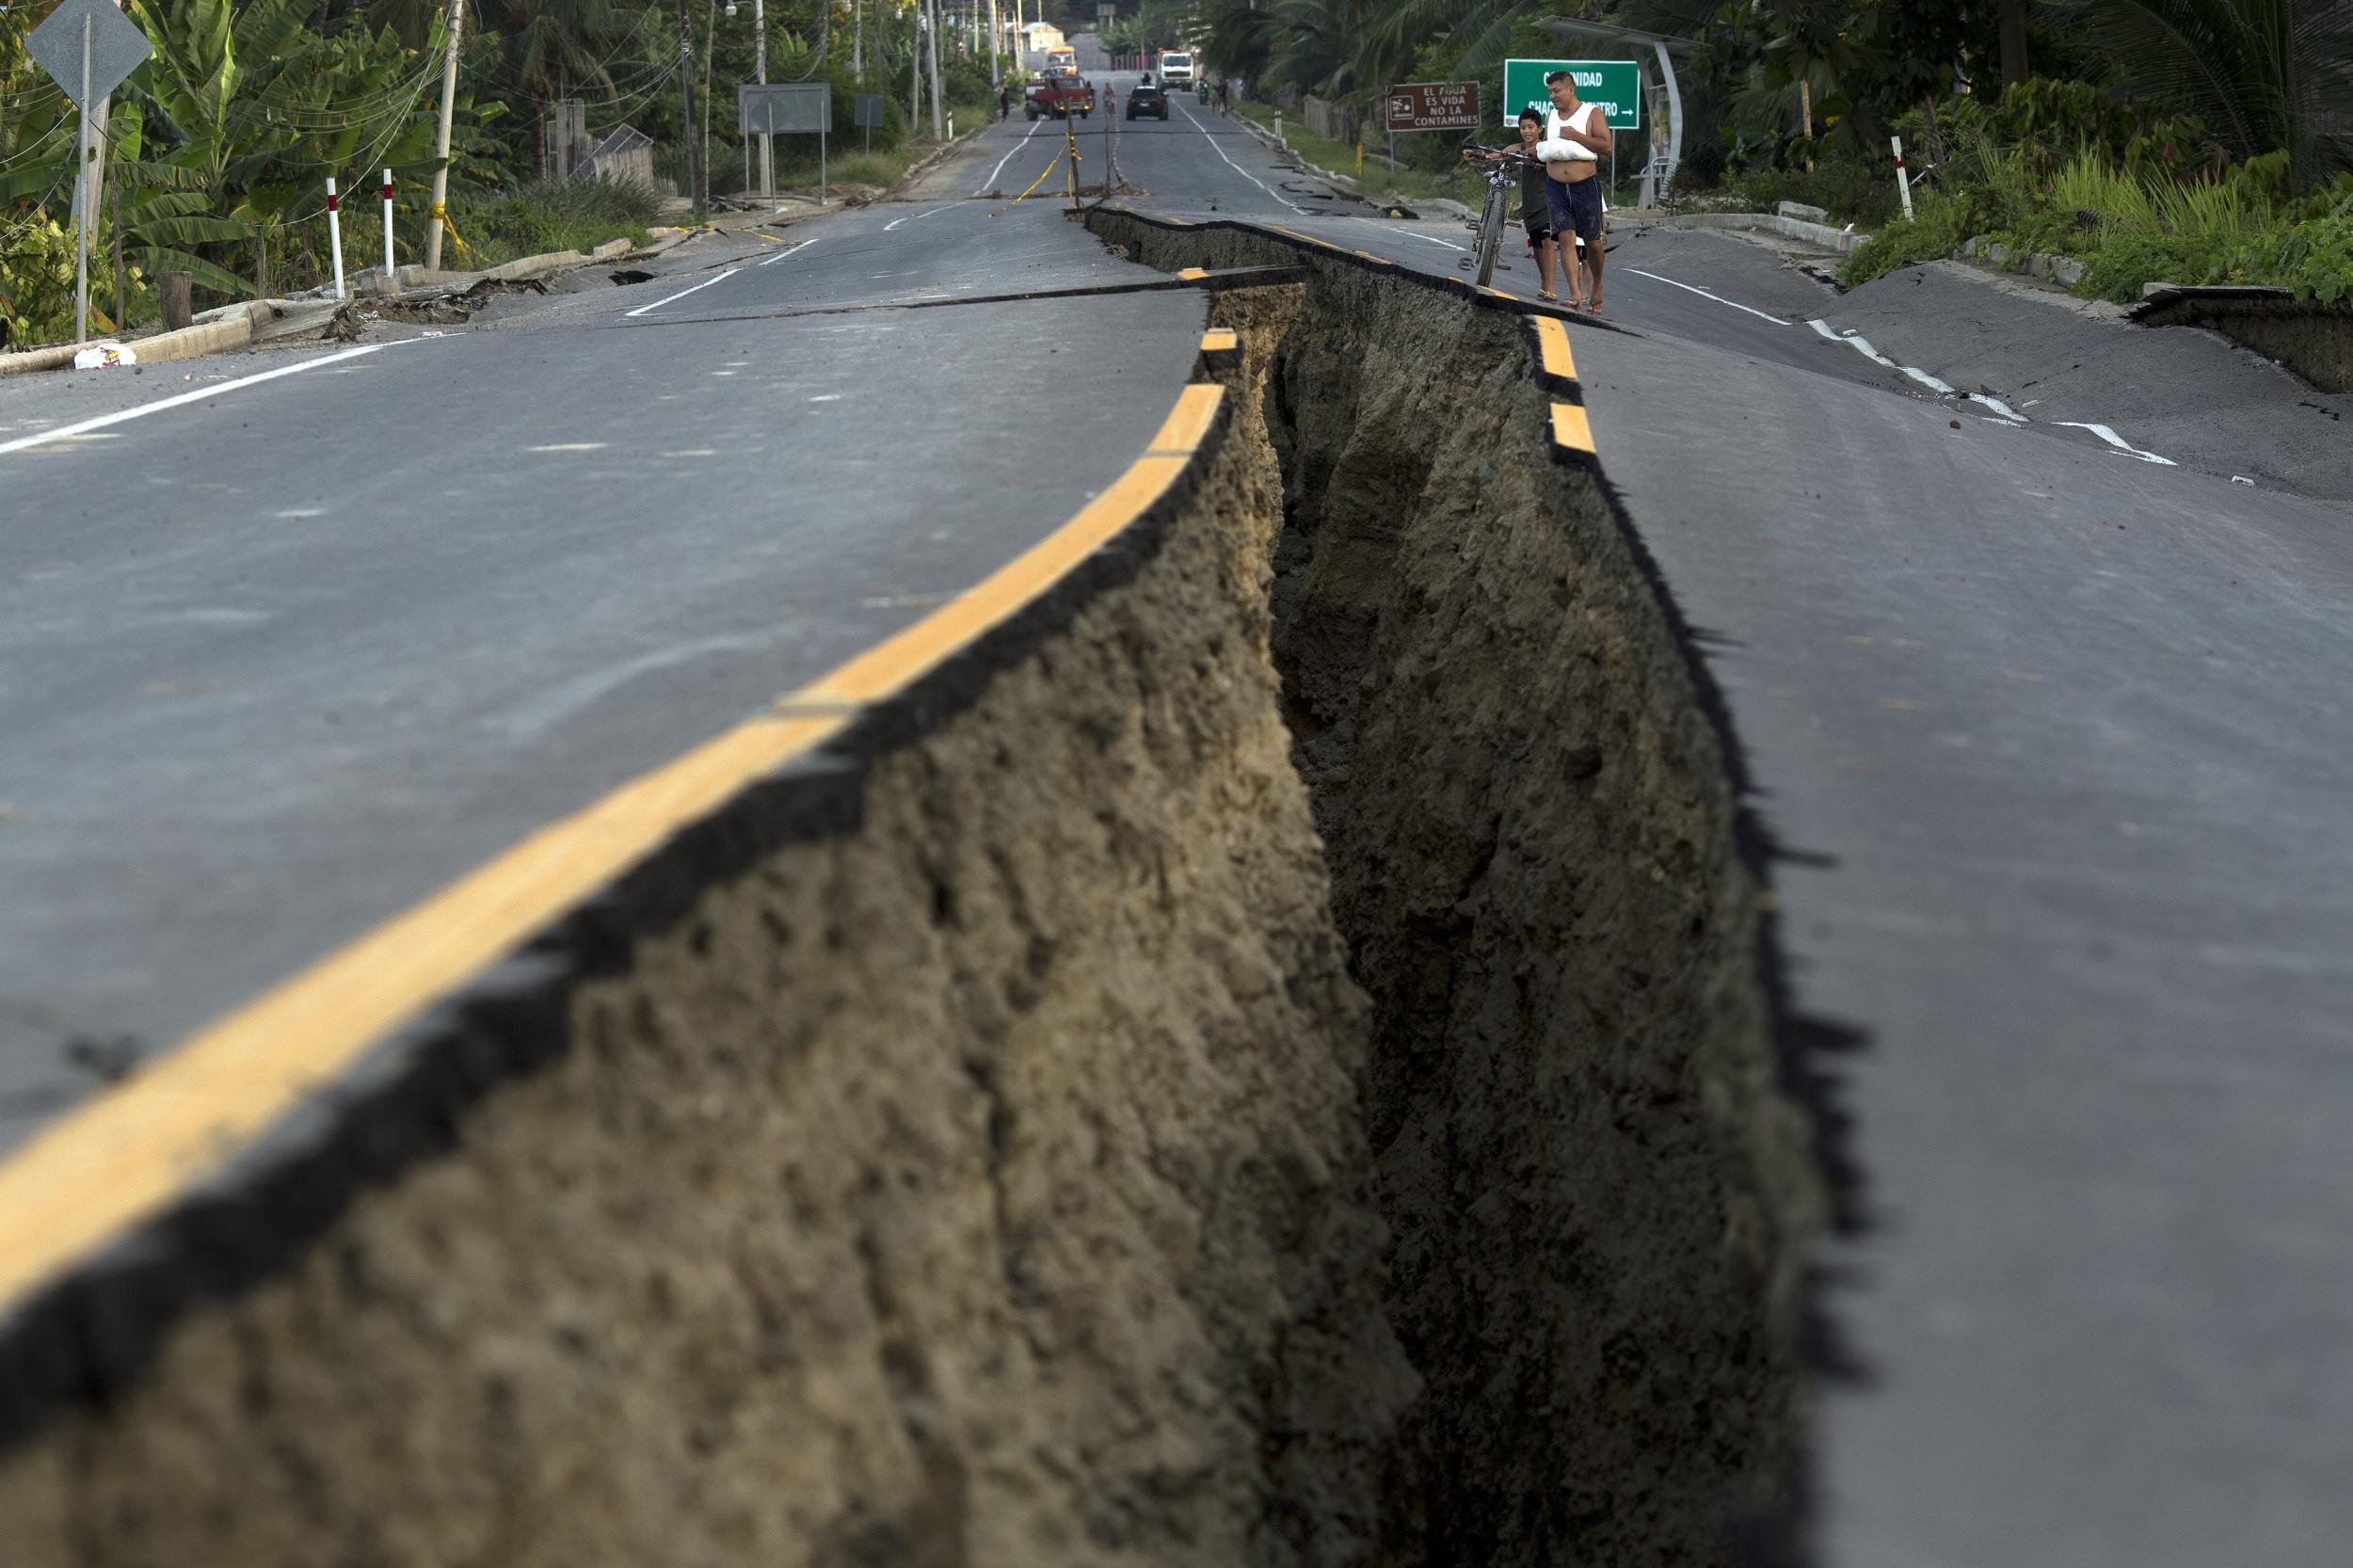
1576	135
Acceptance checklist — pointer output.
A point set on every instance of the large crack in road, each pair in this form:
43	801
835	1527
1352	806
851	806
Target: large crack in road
1268	1064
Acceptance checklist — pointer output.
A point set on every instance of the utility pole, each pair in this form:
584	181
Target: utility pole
996	46
858	41
686	85
102	143
710	69
760	68
940	129
86	220
457	24
915	76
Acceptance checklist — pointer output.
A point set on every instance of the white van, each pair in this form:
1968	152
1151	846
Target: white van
1176	68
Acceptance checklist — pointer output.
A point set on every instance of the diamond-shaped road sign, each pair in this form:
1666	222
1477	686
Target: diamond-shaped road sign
116	47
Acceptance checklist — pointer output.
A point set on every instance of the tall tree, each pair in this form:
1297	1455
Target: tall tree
2011	18
2268	74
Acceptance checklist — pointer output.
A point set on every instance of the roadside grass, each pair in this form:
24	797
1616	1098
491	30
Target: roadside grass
1380	179
878	167
882	167
1851	190
2130	228
533	218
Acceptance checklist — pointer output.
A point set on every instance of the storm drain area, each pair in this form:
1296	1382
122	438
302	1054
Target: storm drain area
1263	1063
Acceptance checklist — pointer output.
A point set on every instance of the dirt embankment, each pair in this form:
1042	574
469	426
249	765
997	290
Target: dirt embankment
1596	1196
1071	1154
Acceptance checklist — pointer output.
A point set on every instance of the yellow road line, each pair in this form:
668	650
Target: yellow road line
899	661
1552	349
1297	235
121	1159
1188	424
1571	430
1220	340
1370	256
78	1186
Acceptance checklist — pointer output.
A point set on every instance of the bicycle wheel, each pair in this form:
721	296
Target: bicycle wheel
1490	235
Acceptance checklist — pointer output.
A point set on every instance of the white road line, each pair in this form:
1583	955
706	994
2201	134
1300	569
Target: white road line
912	216
1408	234
1855	341
697	289
158	407
2117	441
1717	298
790	250
1862	345
1232	165
990	183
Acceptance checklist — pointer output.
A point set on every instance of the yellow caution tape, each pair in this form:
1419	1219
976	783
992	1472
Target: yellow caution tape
1034	184
441	215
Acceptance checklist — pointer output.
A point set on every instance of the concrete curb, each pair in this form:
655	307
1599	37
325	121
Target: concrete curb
226	329
2064	270
1843	241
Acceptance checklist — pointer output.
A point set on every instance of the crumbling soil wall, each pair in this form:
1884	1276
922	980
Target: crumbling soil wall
1597	1198
2312	339
981	1185
1275	1071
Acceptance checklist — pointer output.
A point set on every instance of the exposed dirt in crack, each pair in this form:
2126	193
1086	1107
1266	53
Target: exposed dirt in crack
980	1184
1070	1155
1597	1198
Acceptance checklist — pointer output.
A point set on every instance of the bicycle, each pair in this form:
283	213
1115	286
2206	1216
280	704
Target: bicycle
1493	211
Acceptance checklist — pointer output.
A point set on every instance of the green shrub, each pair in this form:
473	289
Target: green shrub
1938	227
1850	189
36	279
554	214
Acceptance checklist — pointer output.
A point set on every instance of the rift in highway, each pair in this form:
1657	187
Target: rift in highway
1595	1195
1262	1060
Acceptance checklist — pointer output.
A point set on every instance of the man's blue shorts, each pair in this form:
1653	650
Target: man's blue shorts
1575	208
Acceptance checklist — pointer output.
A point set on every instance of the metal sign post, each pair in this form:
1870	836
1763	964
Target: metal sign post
866	112
88	47
787	108
82	214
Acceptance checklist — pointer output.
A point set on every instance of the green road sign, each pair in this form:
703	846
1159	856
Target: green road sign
1615	84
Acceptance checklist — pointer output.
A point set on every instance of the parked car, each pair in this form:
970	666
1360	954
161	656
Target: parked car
1146	98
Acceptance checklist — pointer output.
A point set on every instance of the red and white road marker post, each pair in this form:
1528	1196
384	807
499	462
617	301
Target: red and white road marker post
1903	180
335	234
388	225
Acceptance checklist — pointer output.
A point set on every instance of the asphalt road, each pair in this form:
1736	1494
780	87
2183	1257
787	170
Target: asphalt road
2056	729
2054	733
281	661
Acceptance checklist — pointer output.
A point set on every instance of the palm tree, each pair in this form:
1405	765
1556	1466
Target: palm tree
551	48
2269	74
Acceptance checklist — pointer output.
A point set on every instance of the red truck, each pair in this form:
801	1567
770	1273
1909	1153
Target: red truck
1061	97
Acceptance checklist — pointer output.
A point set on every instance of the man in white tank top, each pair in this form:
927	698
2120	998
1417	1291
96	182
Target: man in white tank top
1576	135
